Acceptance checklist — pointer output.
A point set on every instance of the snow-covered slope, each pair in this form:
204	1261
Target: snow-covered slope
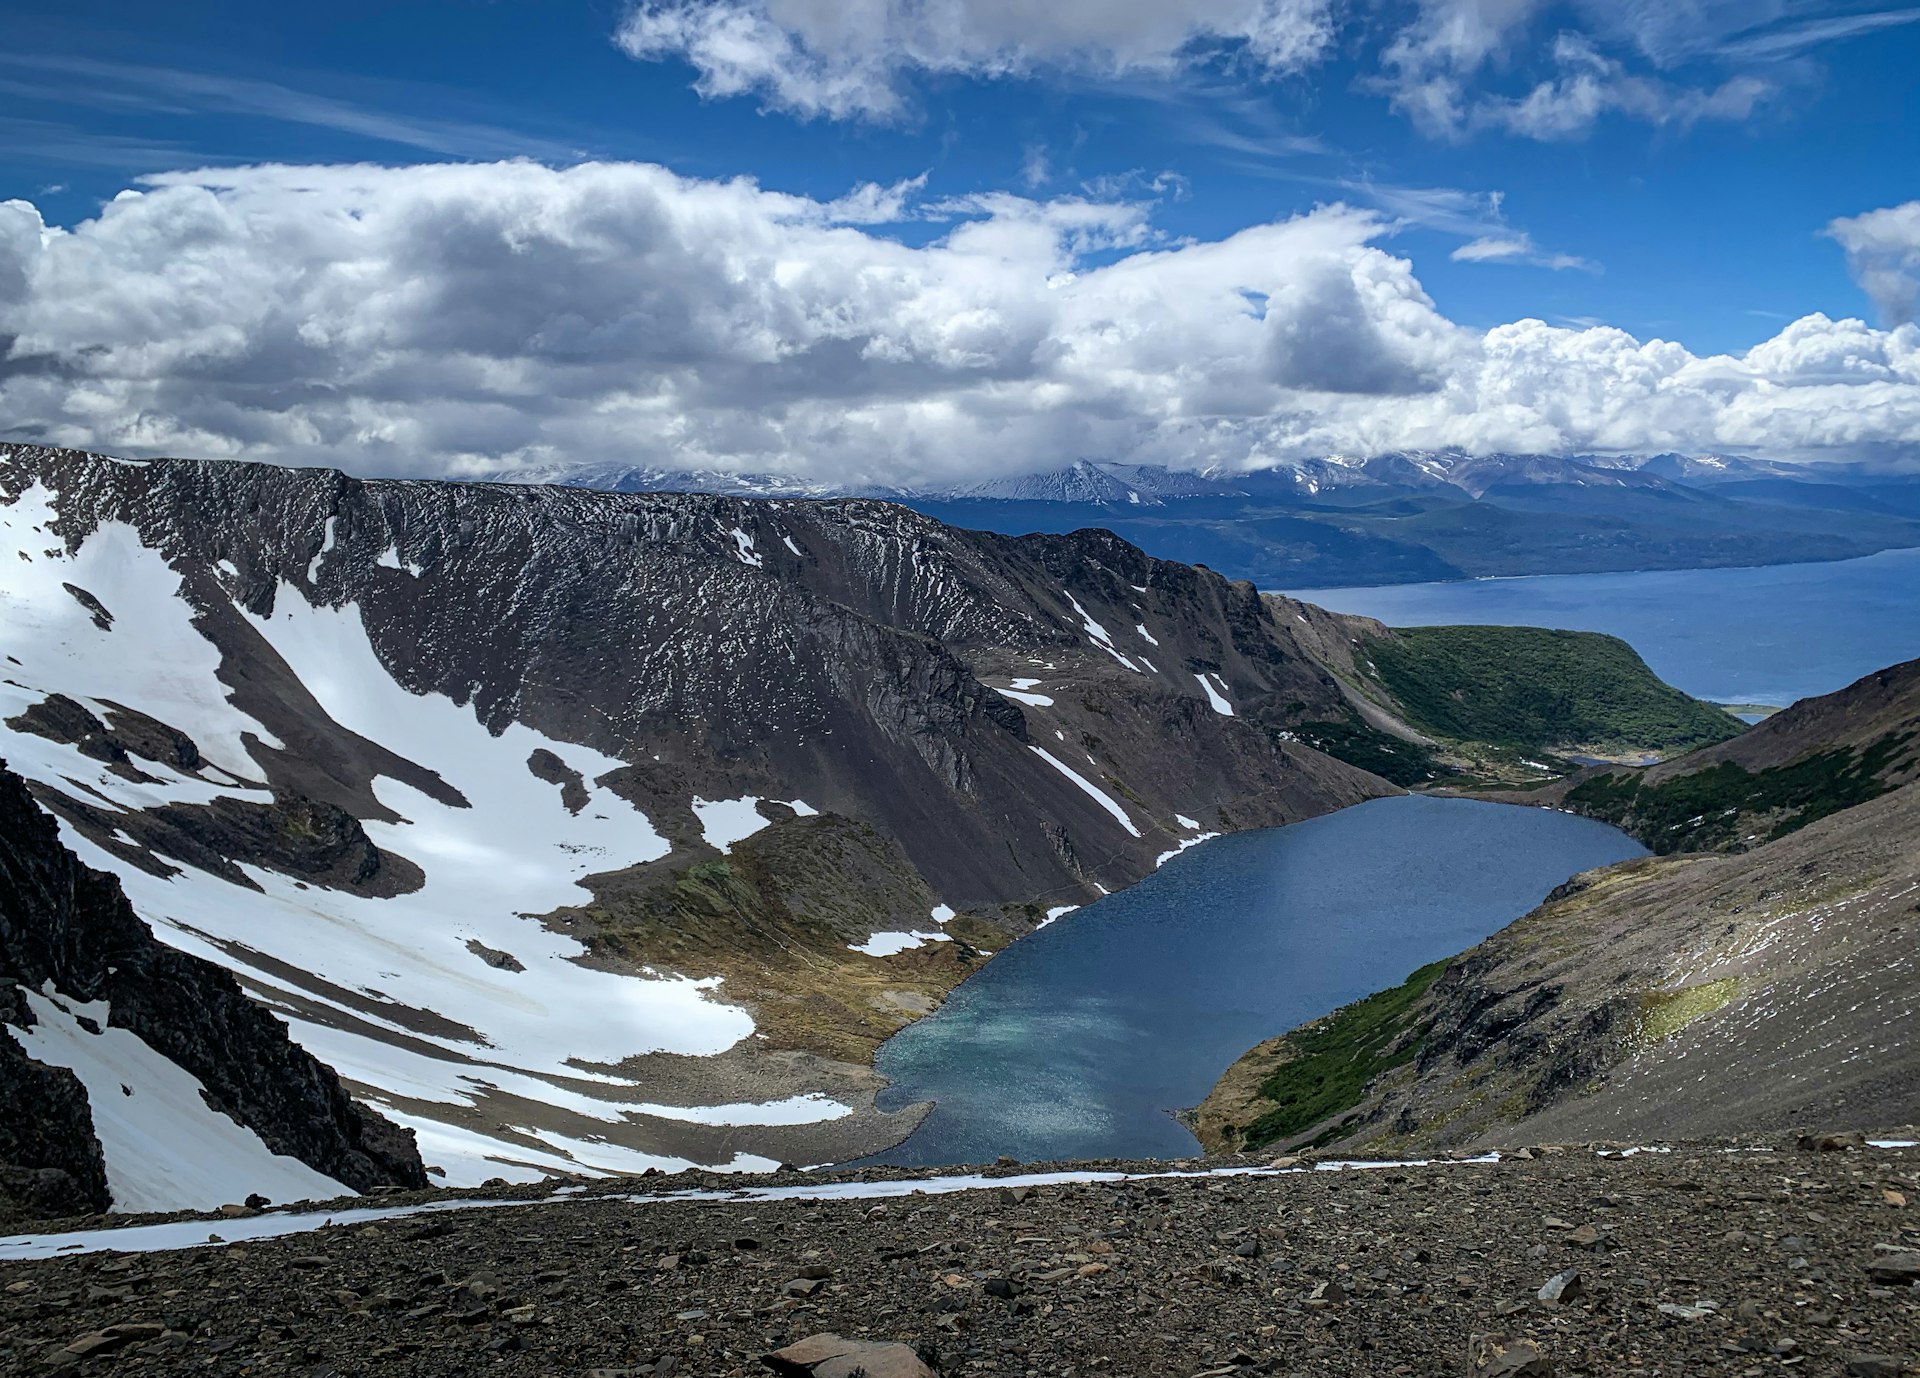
448	773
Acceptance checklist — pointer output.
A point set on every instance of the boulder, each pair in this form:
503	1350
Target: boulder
830	1356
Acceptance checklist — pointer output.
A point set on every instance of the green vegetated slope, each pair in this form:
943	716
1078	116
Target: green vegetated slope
1812	760
1324	1068
1728	807
1533	688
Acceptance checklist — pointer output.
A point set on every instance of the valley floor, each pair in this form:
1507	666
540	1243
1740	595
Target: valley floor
1706	1259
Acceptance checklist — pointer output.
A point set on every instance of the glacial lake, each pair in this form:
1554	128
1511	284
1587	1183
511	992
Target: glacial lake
1078	1042
1767	635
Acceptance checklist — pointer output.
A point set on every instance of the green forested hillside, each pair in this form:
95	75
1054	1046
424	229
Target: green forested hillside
1534	688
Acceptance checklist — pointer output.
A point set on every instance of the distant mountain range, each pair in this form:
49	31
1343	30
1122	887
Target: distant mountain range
1403	517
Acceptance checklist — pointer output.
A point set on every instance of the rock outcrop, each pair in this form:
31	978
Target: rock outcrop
67	928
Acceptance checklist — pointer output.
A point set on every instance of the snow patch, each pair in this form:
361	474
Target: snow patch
1165	857
165	1148
743	548
1098	795
1145	635
1185	821
390	559
886	944
1215	696
788	541
326	548
724	822
1099	635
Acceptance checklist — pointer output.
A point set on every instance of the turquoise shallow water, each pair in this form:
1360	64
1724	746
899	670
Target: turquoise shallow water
1768	635
1077	1042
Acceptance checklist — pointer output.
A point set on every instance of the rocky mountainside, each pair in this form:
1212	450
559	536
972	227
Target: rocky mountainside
587	831
137	1077
1768	984
1812	759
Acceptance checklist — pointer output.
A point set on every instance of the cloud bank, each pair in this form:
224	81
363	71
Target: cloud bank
468	318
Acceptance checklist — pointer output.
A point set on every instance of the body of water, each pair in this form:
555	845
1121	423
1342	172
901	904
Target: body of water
1078	1041
1767	635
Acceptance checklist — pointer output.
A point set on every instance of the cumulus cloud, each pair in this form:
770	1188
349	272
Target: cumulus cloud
1883	253
846	58
470	318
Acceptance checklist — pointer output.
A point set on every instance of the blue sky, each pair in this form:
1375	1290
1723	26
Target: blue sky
1668	169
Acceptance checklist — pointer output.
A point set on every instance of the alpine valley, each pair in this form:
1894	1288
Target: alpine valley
582	832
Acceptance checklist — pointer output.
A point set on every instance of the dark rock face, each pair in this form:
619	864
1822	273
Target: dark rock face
50	1163
64	923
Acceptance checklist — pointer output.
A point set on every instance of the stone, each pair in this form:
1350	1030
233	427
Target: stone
259	1203
1563	1287
1495	1356
1681	1312
1830	1143
1899	1267
830	1356
803	1287
1588	1236
1874	1366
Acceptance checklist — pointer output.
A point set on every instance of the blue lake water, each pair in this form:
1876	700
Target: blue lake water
1768	635
1077	1041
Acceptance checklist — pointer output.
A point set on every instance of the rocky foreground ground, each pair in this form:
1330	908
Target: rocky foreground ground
1702	1260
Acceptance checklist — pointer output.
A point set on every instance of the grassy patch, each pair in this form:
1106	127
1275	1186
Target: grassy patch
1663	1013
1715	809
1335	1058
1536	689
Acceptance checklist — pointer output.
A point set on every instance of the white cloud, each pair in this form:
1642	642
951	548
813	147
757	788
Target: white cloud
461	318
1589	85
1516	247
1883	252
847	58
1539	69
